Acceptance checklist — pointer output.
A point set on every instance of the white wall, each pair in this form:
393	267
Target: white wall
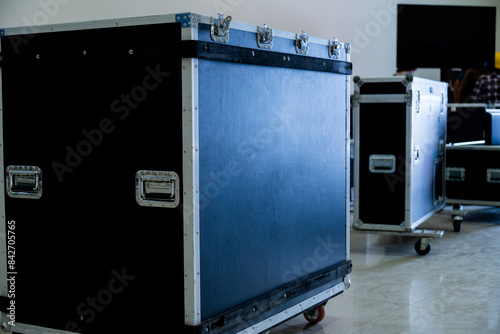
369	25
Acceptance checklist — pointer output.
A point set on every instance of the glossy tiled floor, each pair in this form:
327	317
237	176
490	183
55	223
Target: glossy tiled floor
454	289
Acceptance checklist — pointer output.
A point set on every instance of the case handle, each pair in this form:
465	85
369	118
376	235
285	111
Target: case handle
157	189
455	174
493	175
380	163
24	182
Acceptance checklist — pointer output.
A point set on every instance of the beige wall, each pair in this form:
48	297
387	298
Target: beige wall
369	25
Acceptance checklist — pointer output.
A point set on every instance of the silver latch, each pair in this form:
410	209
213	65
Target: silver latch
416	154
334	48
442	147
24	182
302	43
417	102
219	28
157	189
265	37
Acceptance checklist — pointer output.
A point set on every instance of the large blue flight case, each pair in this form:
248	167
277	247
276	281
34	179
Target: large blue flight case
175	173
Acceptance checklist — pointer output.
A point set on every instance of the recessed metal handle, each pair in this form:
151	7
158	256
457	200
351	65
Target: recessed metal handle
380	163
157	188
24	182
493	175
455	174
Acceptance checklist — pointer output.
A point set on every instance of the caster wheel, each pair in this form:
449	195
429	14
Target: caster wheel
420	251
457	224
315	315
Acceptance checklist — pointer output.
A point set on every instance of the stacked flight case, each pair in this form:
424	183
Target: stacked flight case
399	140
473	168
171	174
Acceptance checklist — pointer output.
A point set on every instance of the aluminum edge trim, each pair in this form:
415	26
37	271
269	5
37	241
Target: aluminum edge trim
471	202
471	105
348	164
356	138
468	146
409	158
190	143
3	237
294	310
380	227
97	24
396	78
425	217
382	98
151	19
30	329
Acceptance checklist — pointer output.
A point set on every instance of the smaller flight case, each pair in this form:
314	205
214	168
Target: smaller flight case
472	178
399	136
472	174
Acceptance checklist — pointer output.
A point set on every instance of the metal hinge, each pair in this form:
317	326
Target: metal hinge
302	43
219	28
188	20
334	48
409	97
265	37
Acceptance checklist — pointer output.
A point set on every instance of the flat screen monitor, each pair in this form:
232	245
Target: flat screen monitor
432	36
465	124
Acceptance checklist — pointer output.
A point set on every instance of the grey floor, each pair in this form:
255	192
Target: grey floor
453	289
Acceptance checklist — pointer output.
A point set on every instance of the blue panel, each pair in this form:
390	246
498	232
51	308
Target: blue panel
272	179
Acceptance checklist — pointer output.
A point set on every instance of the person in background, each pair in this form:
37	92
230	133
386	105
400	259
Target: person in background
487	89
465	83
404	71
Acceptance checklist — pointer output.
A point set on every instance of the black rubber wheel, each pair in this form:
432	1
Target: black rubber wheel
457	225
315	315
419	251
